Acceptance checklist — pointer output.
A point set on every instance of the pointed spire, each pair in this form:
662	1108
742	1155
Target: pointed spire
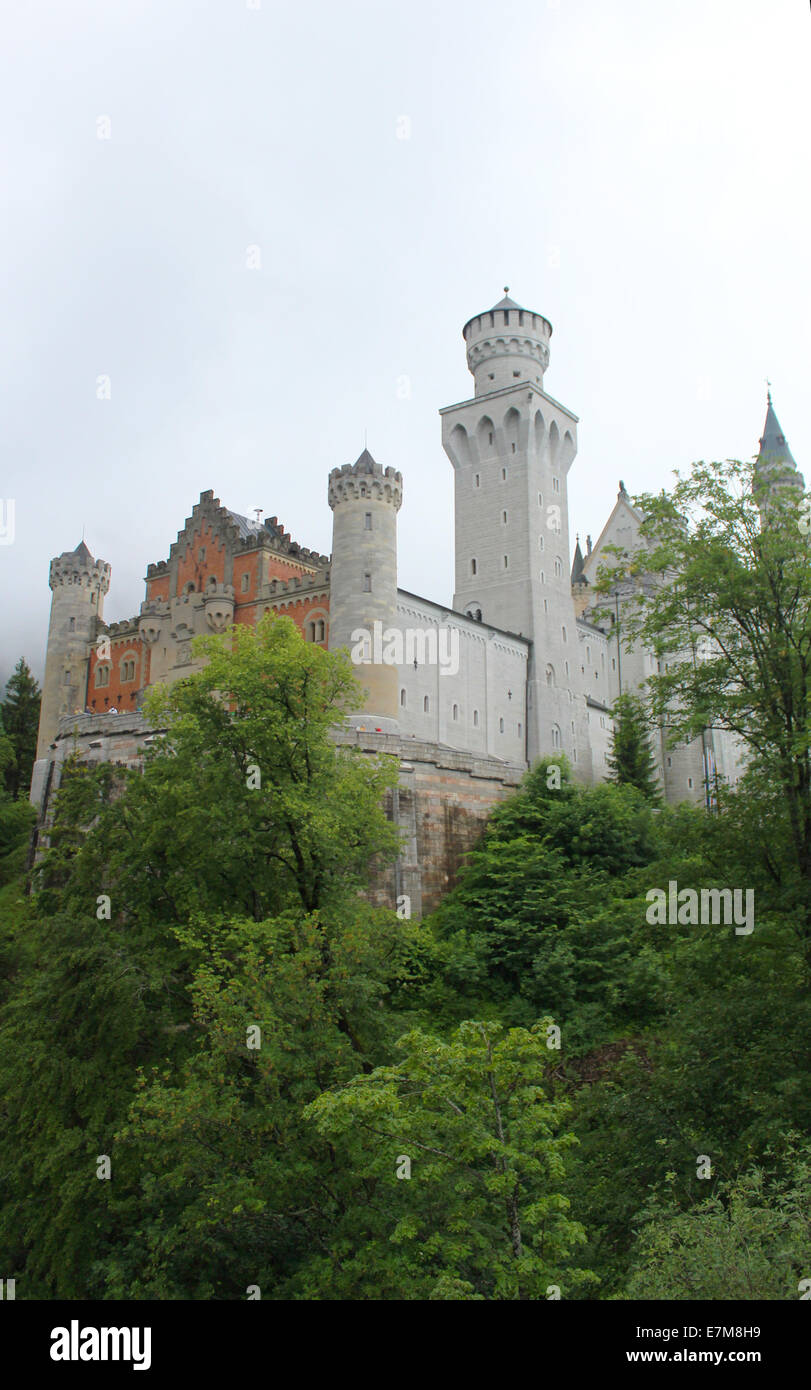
578	576
775	462
82	552
506	302
773	443
365	464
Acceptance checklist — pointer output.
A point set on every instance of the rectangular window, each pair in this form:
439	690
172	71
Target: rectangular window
368	522
367	583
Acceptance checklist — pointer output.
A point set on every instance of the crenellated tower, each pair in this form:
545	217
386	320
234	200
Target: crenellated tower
365	499
78	585
511	447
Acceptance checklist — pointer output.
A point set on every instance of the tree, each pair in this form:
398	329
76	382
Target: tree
20	719
631	761
749	1240
247	805
548	915
459	1149
176	908
732	615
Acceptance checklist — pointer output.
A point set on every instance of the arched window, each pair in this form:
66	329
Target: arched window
558	567
426	705
555	736
550	675
402	699
501	726
456	712
475	719
320	630
540	542
473	567
563	634
311	632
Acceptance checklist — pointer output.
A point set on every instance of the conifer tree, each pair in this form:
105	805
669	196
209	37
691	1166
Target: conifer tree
20	719
631	761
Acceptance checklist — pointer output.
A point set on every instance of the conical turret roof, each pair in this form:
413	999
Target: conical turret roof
775	464
365	464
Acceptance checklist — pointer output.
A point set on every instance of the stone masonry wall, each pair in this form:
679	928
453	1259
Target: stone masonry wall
441	803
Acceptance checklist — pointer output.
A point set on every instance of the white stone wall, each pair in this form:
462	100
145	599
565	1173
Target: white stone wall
481	707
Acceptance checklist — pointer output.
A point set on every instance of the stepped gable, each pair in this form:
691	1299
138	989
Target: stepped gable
239	533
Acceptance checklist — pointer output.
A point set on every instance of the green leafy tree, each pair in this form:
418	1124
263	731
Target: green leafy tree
630	759
459	1152
732	617
548	915
20	720
247	805
247	813
749	1240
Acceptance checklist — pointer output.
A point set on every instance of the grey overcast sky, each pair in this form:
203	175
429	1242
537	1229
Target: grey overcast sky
636	171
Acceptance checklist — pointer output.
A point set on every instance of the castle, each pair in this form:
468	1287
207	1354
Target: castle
523	664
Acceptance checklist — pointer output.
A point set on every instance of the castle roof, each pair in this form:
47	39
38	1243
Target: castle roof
244	525
82	552
365	464
775	462
577	565
506	302
773	443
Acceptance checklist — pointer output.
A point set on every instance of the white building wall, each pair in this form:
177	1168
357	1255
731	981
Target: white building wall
480	708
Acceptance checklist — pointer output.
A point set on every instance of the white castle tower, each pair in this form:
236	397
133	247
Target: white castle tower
365	499
511	447
78	584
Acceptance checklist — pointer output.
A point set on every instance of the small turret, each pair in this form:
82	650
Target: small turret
78	583
365	499
507	345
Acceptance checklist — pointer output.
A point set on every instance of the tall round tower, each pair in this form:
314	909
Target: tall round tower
78	584
365	499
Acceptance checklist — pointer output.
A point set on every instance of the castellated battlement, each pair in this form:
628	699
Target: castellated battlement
74	568
365	478
127	627
507	345
304	582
